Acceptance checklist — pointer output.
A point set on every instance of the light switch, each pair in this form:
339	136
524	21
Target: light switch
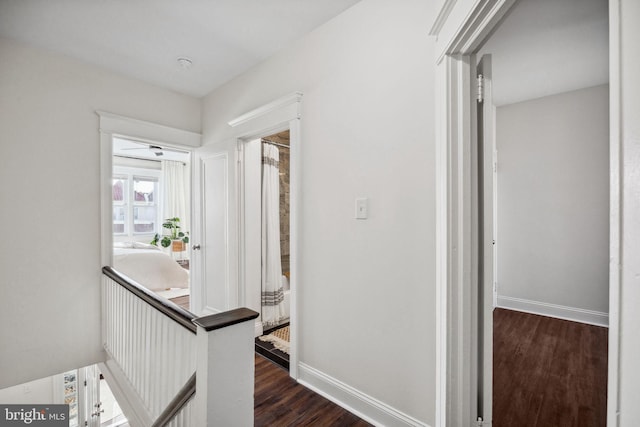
362	208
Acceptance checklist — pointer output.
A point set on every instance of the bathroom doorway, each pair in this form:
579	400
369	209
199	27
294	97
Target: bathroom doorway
275	160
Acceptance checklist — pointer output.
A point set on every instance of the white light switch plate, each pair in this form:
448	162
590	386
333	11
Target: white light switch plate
362	208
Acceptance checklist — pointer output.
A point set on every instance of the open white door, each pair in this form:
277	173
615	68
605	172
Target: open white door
486	237
214	246
90	404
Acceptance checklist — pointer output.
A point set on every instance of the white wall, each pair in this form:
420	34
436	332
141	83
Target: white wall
35	392
553	200
366	288
630	271
49	193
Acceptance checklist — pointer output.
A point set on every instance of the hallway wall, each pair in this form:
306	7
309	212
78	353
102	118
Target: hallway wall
553	203
50	198
367	287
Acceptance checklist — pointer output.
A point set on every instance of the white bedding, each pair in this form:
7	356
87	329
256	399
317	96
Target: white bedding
151	268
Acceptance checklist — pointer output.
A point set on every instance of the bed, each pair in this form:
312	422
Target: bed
151	267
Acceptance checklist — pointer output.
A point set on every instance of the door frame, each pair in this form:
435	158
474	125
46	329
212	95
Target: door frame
461	27
114	125
281	114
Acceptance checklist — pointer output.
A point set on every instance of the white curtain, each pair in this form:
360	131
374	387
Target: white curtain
176	191
272	293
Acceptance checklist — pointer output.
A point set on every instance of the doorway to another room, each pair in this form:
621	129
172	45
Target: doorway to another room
274	343
542	215
151	214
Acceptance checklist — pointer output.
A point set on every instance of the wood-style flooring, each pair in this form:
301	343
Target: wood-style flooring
280	402
548	372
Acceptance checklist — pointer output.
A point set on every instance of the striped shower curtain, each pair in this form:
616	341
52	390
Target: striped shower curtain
272	292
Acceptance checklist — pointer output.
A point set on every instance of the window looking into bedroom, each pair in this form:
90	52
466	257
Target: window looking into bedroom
135	202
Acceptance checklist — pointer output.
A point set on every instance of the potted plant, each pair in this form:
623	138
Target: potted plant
176	238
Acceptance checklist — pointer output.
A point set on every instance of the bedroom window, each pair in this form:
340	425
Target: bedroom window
145	208
135	204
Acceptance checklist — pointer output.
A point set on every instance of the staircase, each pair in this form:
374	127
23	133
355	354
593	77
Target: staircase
167	367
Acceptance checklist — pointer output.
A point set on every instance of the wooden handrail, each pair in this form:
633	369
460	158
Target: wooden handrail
226	318
177	403
163	305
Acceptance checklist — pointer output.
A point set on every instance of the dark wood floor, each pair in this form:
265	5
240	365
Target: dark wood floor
281	402
548	372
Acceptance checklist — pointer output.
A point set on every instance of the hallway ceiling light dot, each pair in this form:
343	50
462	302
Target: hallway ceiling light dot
185	63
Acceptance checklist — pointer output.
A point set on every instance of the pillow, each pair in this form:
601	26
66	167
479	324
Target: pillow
154	270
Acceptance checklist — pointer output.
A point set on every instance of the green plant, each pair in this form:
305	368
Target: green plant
171	224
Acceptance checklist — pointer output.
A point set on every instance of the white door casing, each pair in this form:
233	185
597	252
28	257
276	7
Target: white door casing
138	130
276	116
251	178
460	28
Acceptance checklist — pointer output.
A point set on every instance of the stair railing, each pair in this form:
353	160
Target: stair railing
159	356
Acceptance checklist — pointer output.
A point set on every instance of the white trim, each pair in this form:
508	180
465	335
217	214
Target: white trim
278	104
464	30
281	114
444	13
557	311
106	205
147	131
366	407
115	125
258	329
615	215
442	276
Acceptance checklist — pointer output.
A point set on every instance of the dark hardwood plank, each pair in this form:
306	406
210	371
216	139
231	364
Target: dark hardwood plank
548	372
280	402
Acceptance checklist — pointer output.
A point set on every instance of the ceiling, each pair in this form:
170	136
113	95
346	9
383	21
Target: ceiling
545	47
144	38
127	148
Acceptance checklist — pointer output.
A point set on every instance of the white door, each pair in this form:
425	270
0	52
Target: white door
90	405
214	257
486	238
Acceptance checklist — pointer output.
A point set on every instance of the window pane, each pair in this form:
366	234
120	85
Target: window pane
144	219
119	216
118	189
144	190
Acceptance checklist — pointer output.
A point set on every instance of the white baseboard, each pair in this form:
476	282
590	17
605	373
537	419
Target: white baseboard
553	310
355	401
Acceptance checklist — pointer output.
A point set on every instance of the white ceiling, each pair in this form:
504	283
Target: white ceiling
545	47
139	150
144	38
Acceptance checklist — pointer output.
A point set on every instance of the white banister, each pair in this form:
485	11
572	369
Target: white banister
225	375
155	354
154	348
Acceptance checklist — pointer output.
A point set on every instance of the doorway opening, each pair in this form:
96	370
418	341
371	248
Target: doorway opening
541	212
274	343
151	215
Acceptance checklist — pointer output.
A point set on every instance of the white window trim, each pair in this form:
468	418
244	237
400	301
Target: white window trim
131	173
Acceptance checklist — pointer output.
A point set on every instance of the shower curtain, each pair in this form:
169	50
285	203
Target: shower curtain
272	293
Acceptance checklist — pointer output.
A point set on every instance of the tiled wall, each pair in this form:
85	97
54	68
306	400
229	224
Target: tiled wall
284	208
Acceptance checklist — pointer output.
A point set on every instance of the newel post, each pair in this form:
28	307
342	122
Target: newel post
225	369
